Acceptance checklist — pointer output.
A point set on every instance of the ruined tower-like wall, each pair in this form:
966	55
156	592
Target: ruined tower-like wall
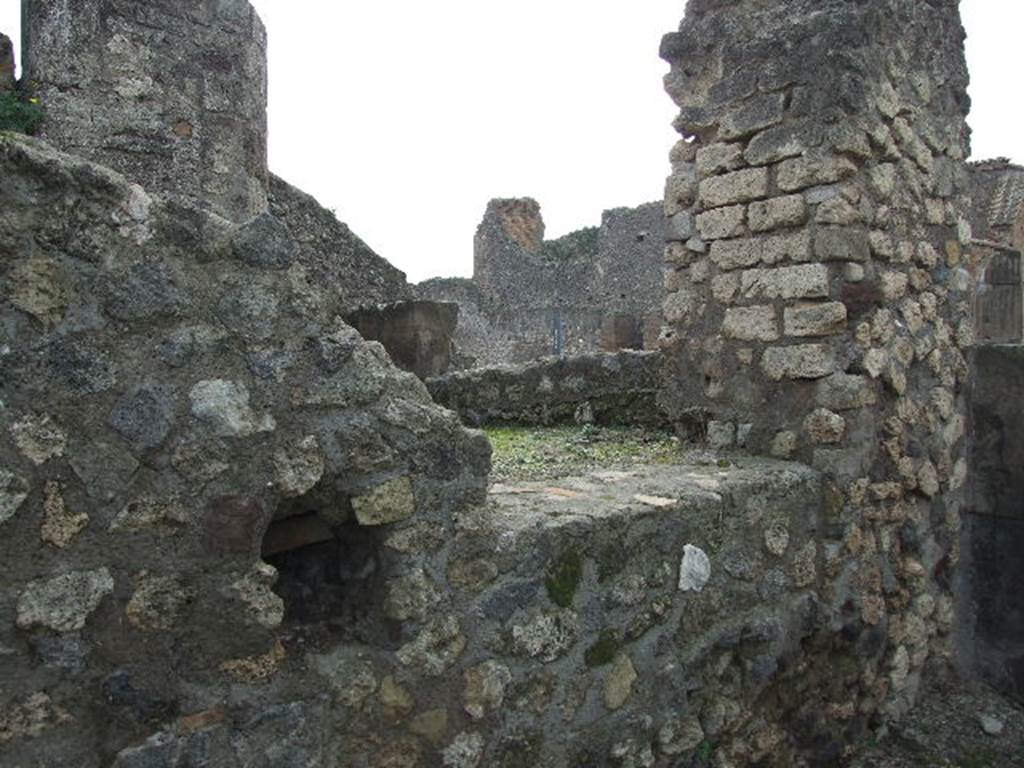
172	94
817	306
511	232
626	279
598	288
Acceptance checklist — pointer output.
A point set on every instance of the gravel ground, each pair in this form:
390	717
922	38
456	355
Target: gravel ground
947	728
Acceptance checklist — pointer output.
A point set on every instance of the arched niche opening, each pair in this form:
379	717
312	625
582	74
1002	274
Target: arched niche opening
329	569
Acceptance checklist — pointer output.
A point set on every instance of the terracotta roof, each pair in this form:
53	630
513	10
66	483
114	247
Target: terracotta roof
999	193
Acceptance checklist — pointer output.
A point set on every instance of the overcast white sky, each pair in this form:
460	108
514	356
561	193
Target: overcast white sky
406	117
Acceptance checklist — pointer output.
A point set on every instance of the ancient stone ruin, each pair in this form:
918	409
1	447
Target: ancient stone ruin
236	533
597	289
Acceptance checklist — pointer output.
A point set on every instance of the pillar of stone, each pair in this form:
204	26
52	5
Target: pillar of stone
512	229
817	307
170	93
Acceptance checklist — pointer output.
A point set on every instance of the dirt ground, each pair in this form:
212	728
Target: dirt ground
946	729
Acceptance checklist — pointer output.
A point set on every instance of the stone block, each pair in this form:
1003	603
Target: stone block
842	244
804	361
894	285
724	287
757	114
815	319
806	281
680	227
778	212
846	392
838	211
722	222
802	172
751	323
824	426
736	254
63	603
387	503
779	142
735	187
680	189
718	158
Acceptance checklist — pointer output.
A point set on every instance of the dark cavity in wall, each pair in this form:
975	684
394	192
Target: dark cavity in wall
991	570
329	569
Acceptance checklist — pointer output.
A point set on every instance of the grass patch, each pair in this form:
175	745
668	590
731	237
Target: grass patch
579	244
536	453
19	115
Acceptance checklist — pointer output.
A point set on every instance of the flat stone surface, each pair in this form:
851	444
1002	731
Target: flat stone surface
643	489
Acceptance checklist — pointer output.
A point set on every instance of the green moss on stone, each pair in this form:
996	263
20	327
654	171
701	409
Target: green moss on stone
604	650
564	578
705	751
579	244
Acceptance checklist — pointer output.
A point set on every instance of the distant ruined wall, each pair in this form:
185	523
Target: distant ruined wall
603	388
595	289
627	279
818	308
170	93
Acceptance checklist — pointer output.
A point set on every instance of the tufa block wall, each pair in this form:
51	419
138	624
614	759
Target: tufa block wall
818	304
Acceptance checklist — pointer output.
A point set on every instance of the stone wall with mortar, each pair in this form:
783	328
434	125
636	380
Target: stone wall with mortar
595	289
180	399
235	535
603	388
818	306
172	94
333	253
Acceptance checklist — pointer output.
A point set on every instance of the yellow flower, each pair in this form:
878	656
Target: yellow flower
33	100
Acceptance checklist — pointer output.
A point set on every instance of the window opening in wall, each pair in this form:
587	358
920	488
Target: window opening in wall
557	334
329	569
999	318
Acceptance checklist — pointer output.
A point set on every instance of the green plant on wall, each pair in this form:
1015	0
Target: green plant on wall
19	114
